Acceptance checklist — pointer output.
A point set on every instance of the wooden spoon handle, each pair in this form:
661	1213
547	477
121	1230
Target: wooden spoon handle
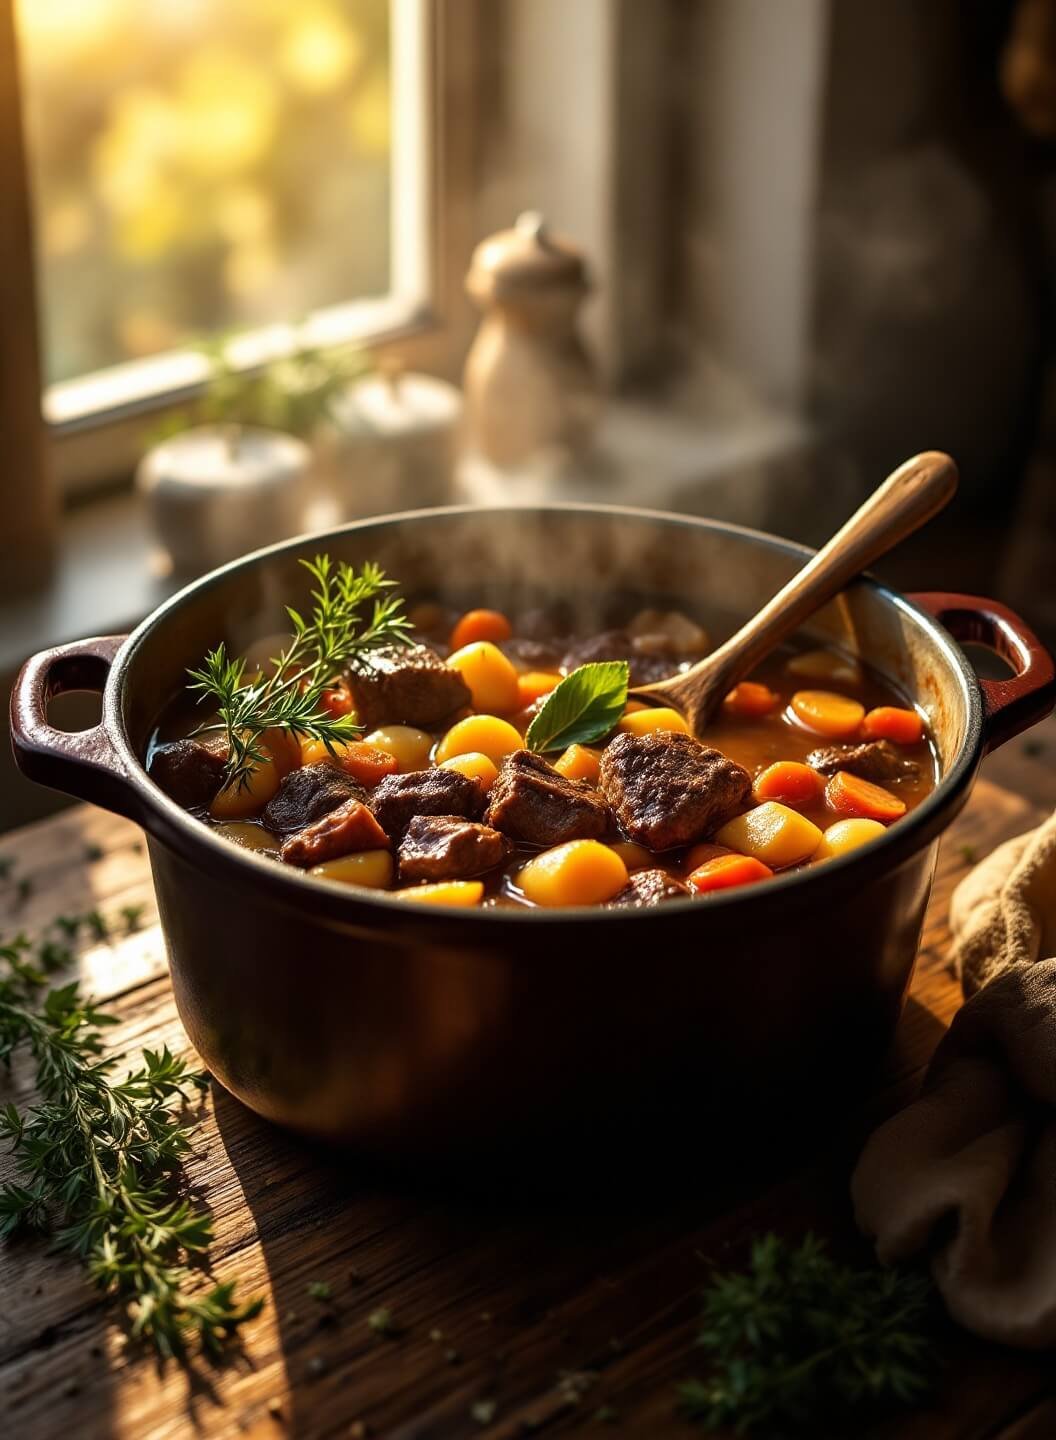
911	495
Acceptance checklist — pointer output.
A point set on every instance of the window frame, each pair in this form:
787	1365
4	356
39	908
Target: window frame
100	447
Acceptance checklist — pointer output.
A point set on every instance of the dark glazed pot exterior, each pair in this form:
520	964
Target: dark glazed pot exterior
348	1015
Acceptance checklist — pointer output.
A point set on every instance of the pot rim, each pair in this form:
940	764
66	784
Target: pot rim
364	908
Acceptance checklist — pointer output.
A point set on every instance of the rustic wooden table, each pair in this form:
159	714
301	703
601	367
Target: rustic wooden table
556	1316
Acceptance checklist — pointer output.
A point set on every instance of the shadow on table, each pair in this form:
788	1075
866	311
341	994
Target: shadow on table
546	1251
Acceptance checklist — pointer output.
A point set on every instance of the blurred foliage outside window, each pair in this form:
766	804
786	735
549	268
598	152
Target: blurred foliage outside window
201	166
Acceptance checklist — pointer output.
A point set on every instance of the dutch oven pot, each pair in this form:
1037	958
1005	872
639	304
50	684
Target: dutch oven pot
348	1015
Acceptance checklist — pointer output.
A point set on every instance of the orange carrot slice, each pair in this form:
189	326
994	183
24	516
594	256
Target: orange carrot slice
851	795
790	782
727	871
533	685
337	700
750	700
827	713
366	763
480	625
889	722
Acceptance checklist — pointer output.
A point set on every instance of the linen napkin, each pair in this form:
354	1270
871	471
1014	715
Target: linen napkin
967	1172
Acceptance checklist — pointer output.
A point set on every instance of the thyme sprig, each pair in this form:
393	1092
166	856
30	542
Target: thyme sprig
97	1158
797	1337
290	696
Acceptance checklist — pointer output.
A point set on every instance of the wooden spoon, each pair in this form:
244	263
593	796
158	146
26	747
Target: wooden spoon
909	496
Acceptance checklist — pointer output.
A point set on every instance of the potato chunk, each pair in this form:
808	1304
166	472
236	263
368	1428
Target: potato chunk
579	872
773	834
847	835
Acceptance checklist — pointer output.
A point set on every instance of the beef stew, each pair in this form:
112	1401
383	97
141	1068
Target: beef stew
439	794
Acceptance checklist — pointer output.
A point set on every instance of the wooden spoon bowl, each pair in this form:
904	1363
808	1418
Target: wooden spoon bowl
907	499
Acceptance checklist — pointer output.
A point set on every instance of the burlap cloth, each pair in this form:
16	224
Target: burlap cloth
967	1172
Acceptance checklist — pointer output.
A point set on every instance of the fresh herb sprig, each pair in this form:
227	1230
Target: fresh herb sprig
583	708
290	696
796	1337
97	1158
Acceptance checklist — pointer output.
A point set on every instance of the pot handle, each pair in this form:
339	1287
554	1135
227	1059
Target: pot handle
83	763
1009	706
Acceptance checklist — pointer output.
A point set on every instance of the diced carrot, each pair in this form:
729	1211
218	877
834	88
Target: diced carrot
827	713
480	625
366	763
789	781
337	700
751	700
699	855
726	871
851	795
534	684
889	722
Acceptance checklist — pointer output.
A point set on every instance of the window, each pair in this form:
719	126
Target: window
230	168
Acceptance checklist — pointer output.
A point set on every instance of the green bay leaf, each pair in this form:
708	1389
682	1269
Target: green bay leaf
582	709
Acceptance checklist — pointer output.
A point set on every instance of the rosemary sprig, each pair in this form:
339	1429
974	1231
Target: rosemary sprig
797	1337
290	697
97	1157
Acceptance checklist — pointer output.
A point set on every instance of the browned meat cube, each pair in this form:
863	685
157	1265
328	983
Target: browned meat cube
306	795
191	771
667	789
532	802
446	847
397	799
875	760
350	827
618	645
406	684
650	887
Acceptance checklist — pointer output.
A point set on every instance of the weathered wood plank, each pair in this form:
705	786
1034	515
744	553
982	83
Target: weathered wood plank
603	1292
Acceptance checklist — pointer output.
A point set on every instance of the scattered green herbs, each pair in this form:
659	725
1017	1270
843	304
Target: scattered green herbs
98	925
606	1415
98	1158
23	889
132	915
797	1336
583	708
968	854
383	1322
7	864
290	696
320	1290
484	1411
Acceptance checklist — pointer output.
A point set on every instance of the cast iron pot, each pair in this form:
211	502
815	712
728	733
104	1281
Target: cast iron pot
348	1015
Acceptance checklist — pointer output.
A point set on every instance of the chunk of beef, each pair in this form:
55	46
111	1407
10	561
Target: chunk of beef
191	771
350	827
649	887
618	645
408	685
875	760
446	847
306	795
397	799
667	789
532	802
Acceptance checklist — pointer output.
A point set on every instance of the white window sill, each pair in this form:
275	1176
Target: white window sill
761	471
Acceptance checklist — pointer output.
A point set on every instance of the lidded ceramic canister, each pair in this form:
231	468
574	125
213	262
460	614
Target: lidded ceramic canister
531	391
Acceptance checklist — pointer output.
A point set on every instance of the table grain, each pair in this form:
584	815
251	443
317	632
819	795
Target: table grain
517	1313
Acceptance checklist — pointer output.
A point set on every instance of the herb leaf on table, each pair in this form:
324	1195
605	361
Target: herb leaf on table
338	629
98	1158
585	707
796	1337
